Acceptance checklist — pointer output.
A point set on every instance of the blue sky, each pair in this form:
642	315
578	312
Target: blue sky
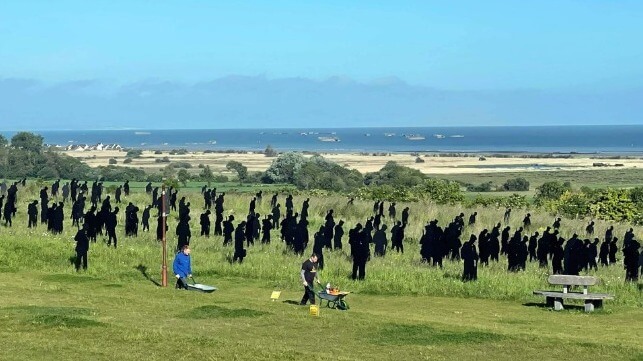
448	45
455	46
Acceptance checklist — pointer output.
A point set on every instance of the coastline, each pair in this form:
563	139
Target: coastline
434	163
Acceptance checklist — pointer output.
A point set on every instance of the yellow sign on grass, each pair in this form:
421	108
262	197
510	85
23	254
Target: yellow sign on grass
275	295
314	310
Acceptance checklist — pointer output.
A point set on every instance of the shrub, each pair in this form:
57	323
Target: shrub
440	191
395	175
283	168
178	151
551	191
134	153
482	187
220	178
184	165
114	173
113	161
319	173
270	152
516	184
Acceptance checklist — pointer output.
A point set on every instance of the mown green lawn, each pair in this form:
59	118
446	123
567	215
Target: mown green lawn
74	316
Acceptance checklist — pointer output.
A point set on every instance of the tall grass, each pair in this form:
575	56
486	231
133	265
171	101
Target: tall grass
27	249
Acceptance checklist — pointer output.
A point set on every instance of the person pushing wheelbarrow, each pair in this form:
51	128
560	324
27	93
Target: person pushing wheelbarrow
309	277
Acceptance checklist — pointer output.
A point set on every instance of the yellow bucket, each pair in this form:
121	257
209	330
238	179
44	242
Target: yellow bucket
314	310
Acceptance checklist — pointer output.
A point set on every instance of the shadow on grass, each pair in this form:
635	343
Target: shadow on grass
544	306
68	278
212	311
291	302
143	269
55	317
426	335
59	321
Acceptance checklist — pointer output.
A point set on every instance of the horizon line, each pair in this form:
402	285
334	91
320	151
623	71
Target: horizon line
355	127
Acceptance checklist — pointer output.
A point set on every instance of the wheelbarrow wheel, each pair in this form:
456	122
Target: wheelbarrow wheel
342	305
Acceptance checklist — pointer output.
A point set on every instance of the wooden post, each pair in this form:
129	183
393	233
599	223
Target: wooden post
163	240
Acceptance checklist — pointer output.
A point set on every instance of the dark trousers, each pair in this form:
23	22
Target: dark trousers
239	255
398	246
111	235
309	294
81	256
437	261
181	283
359	269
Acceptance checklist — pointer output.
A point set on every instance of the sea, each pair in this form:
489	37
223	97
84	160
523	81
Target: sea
592	139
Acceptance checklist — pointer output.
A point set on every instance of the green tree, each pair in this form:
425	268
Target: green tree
240	169
27	141
169	172
183	176
206	175
283	168
319	173
3	141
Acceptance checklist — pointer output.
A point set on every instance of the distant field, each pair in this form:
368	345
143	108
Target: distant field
430	163
593	178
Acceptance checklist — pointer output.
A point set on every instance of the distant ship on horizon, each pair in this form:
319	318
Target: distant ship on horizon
328	139
439	136
415	137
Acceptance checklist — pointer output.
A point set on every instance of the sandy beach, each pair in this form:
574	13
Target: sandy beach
432	164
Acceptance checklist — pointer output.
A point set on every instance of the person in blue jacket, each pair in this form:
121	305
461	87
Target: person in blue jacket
182	267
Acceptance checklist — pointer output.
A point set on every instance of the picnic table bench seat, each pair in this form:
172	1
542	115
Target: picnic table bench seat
555	298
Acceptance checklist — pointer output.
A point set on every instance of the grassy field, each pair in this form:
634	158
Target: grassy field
63	316
404	308
594	178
